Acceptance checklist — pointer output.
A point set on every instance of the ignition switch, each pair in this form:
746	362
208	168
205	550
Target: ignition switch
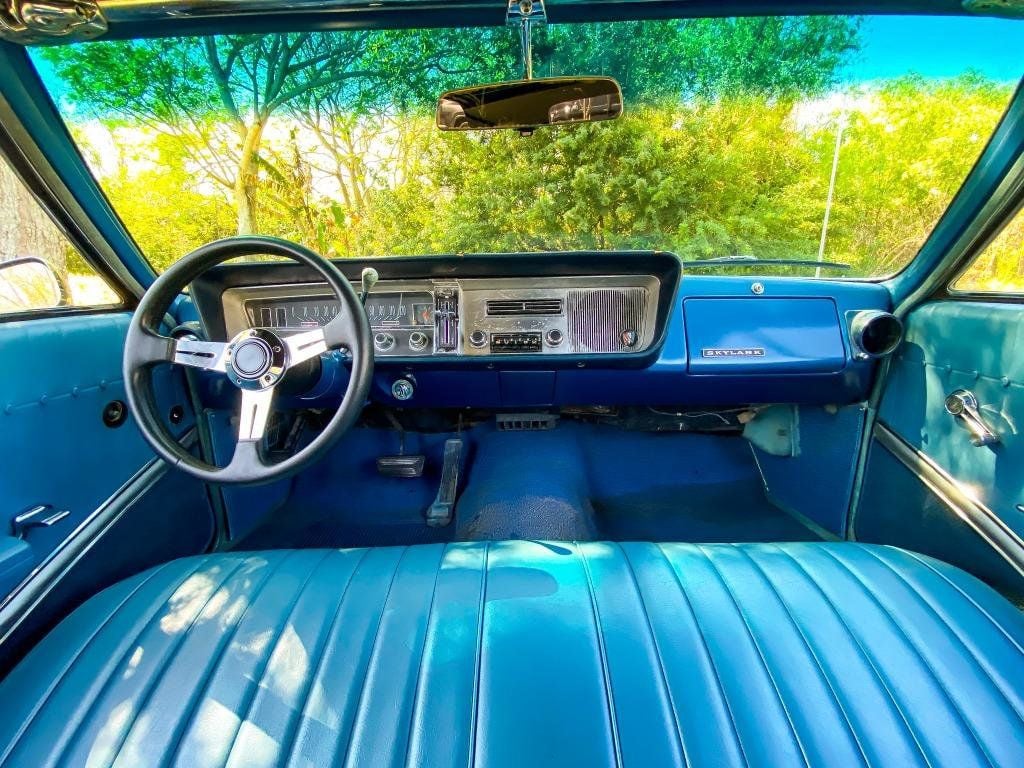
403	389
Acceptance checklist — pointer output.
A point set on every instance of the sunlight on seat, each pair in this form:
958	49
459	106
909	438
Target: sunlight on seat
108	740
187	601
288	667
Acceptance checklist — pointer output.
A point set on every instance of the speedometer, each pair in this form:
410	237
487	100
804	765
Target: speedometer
384	310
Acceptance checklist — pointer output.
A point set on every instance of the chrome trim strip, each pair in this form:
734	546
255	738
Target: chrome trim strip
980	518
35	587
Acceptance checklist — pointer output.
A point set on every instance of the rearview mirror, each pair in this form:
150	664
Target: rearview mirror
29	283
527	104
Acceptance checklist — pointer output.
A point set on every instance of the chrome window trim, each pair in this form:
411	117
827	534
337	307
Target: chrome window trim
986	523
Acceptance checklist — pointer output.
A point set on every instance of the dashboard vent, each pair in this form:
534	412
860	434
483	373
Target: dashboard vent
606	319
508	307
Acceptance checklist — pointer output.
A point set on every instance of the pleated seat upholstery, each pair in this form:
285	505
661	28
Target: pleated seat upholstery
529	654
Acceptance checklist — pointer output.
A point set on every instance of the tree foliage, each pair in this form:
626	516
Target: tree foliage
326	138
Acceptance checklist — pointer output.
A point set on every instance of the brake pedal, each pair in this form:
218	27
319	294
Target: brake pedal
442	511
401	466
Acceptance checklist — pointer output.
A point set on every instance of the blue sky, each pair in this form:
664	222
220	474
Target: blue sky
939	47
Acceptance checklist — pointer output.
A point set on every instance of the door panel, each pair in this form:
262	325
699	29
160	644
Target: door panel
60	373
951	345
974	346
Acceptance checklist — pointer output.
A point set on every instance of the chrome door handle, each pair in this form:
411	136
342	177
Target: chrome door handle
39	516
963	406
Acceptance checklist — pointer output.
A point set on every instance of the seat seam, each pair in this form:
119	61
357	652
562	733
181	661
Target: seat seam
423	651
369	658
602	652
212	668
760	653
59	758
861	649
917	652
707	652
807	644
976	661
657	653
272	647
154	680
55	683
293	725
478	664
999	627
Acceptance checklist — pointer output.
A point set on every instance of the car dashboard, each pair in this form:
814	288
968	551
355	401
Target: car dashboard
481	317
560	329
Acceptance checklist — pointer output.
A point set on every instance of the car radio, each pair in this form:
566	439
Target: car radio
515	342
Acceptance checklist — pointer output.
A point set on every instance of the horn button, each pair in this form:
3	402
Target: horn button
256	359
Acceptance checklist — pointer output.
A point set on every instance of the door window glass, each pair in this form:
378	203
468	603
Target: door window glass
39	267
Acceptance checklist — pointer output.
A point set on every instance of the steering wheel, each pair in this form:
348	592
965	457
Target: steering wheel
254	361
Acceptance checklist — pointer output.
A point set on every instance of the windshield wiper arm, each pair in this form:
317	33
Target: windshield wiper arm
744	261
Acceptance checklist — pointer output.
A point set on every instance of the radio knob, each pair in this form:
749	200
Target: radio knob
383	342
418	341
553	337
478	338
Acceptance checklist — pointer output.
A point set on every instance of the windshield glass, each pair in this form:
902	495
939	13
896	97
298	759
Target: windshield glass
802	138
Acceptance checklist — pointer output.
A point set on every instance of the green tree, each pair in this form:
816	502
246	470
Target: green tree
904	156
189	88
657	61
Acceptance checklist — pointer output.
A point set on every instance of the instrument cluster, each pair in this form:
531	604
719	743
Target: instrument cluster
573	315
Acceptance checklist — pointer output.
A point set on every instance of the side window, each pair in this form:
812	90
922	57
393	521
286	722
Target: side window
1000	267
39	267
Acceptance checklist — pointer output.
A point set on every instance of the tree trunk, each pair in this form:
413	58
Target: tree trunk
25	228
245	181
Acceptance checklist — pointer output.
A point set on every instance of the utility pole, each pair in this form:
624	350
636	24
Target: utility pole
831	192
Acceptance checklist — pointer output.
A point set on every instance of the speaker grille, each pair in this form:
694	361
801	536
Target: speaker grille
599	317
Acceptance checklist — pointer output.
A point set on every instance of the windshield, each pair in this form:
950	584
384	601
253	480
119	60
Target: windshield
840	139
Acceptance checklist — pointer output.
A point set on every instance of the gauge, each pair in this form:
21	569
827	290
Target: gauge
384	310
423	314
400	310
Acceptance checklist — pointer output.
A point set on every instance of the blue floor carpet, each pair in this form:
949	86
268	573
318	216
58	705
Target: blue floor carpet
578	481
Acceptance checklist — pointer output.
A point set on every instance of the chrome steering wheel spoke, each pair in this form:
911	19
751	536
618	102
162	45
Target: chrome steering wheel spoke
152	348
309	344
207	355
253	417
305	346
254	414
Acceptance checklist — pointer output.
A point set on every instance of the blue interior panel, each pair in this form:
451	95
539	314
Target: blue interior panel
896	508
971	345
757	336
817	482
56	448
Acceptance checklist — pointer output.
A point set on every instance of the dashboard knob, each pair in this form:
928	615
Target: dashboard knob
418	341
553	337
383	342
478	338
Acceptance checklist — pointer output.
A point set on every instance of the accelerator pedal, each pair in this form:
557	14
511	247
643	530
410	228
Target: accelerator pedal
442	511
